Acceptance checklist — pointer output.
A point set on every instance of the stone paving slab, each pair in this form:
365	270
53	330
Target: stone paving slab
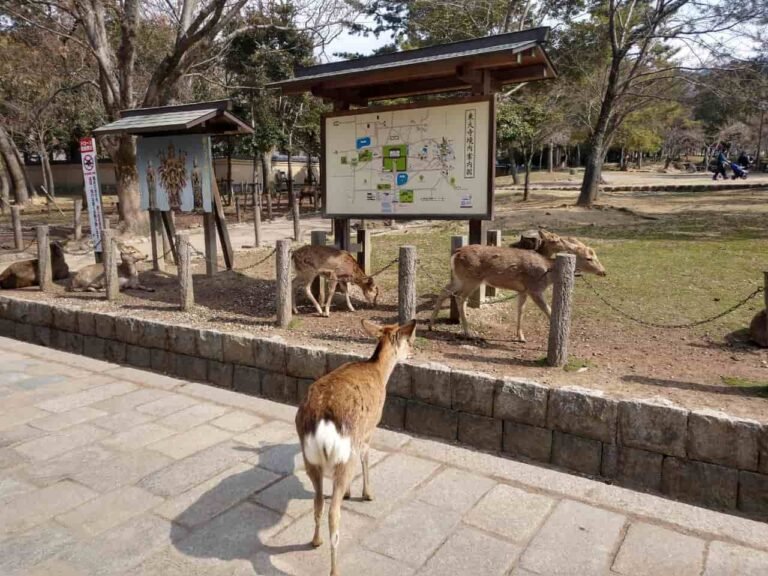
106	470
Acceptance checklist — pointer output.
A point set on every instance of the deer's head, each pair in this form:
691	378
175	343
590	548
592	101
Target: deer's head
586	259
399	337
130	255
370	290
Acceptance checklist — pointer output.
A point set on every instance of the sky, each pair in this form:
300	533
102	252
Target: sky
347	42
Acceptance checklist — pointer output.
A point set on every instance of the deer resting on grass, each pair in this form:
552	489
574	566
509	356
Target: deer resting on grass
91	278
337	419
527	272
338	266
24	273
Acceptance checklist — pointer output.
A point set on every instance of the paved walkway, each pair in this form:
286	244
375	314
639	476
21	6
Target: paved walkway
111	470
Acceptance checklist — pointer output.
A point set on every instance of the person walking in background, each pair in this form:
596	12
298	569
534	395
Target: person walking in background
722	162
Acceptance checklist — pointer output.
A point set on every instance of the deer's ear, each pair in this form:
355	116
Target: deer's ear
407	330
372	329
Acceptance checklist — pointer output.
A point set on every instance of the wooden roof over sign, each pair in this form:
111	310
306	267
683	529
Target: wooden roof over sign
502	59
198	118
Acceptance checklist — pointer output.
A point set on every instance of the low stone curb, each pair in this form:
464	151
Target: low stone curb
703	457
734	185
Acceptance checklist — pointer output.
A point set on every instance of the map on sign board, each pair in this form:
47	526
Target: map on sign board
174	173
410	161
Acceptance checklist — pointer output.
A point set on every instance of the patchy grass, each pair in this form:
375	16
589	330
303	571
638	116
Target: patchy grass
758	386
295	324
578	364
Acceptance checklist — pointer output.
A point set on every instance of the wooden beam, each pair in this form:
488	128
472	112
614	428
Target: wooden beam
221	224
170	231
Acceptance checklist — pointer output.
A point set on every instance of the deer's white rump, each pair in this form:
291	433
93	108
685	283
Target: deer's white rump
327	448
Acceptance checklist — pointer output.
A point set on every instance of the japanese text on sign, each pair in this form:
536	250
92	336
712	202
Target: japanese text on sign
92	193
470	129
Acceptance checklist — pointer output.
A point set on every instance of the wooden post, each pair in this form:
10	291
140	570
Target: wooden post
110	265
406	284
78	218
341	233
209	234
169	236
560	323
319	285
476	237
492	238
256	215
296	218
269	200
156	237
456	243
365	253
186	287
44	274
221	226
18	239
238	211
283	298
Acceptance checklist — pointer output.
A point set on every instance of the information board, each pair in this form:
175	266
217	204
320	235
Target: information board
431	160
92	191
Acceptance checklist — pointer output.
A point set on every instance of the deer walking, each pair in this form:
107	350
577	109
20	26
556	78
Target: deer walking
91	278
337	419
527	272
338	266
24	273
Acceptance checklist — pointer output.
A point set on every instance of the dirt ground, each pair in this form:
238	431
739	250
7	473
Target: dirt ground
671	258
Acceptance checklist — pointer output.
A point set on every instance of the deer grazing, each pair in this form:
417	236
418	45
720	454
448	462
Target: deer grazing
524	271
337	419
24	273
338	266
91	278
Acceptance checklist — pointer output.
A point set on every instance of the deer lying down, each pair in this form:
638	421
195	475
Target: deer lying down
91	278
337	419
524	271
338	266
24	273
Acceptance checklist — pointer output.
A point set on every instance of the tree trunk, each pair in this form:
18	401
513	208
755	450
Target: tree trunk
290	173
49	171
132	218
230	188
550	158
578	155
5	186
622	160
526	189
15	170
513	166
760	140
541	157
592	175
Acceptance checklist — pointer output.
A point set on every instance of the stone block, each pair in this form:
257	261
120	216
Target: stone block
238	349
220	374
247	380
753	494
528	441
41	314
726	559
155	335
35	507
302	388
511	512
273	386
582	412
610	461
95	347
129	330
721	439
305	361
701	483
638	468
393	415
470	551
163	361
67	341
25	332
480	431
138	356
86	323
41	335
269	354
576	453
8	328
400	382
115	351
522	401
191	367
650	550
5	304
63	319
431	420
181	340
105	326
657	425
210	344
431	383
473	392
18	310
291	390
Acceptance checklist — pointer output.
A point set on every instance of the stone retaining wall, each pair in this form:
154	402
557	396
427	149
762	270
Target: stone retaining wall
660	187
704	457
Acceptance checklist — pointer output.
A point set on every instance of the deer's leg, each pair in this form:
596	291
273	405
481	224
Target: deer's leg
308	292
332	283
538	298
461	302
443	296
367	494
340	483
521	299
315	474
346	293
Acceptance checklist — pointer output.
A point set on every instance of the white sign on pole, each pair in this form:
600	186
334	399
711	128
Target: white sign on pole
92	192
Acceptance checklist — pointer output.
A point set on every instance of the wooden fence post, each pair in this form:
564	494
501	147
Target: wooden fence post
44	274
365	253
186	287
156	237
319	285
296	218
406	284
209	234
560	323
284	296
110	265
78	223
492	238
238	210
18	239
456	243
256	215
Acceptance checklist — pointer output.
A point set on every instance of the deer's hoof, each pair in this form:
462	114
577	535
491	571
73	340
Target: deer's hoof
367	496
317	542
348	496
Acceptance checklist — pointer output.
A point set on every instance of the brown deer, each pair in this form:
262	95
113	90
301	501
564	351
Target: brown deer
338	266
758	329
24	273
91	278
337	419
524	271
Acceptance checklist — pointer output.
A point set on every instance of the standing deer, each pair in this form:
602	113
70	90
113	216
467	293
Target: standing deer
338	266
337	420
524	271
24	273
91	278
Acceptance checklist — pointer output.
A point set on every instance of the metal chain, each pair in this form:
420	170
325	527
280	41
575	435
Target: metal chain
204	257
395	261
621	312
